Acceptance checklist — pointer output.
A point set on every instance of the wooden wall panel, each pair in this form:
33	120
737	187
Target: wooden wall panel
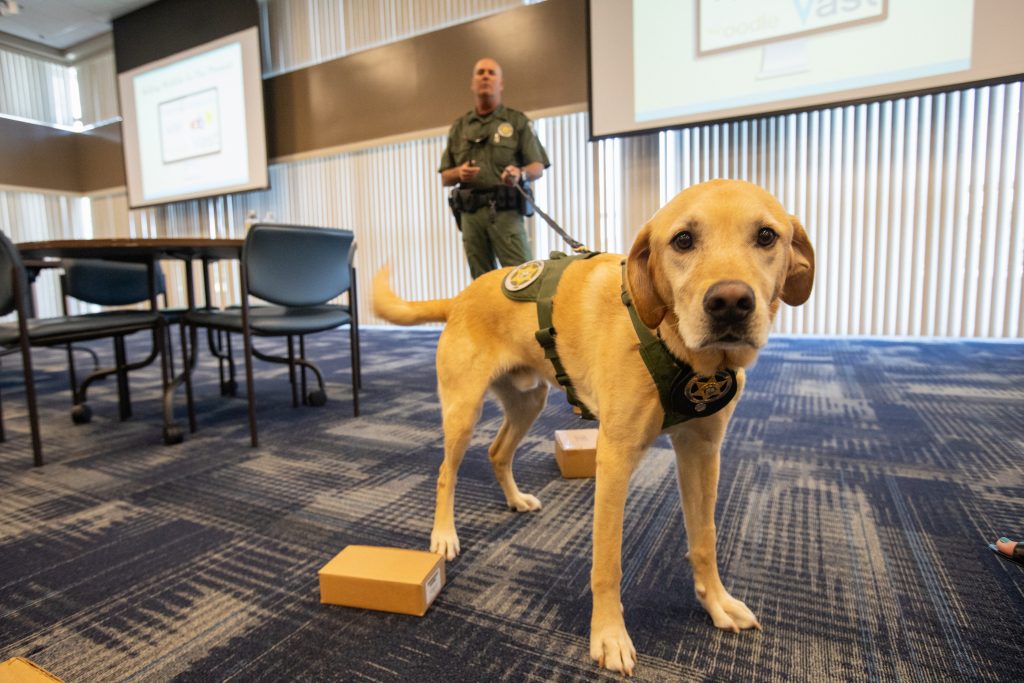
37	156
47	158
100	159
423	83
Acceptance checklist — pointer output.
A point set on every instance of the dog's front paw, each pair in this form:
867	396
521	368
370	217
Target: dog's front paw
444	543
728	613
524	502
612	648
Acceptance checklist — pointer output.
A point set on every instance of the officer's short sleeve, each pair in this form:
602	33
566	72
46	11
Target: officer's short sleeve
530	148
448	156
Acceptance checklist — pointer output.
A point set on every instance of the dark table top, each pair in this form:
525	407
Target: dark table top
130	249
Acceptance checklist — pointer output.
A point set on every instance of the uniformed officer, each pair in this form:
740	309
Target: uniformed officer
489	149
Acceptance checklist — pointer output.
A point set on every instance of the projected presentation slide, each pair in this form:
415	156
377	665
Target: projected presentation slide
694	56
192	124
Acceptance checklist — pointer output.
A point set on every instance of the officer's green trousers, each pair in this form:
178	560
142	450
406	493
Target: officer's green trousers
484	240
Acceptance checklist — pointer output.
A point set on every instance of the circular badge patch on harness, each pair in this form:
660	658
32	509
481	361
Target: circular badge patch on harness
523	276
505	129
701	391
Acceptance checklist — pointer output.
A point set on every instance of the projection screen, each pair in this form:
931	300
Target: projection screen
665	63
193	123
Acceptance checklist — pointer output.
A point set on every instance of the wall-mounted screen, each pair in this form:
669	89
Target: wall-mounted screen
663	63
193	123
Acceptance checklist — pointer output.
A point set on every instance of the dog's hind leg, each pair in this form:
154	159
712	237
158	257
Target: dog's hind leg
462	379
521	409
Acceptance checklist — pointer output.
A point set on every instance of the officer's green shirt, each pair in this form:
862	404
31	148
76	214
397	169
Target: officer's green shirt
503	137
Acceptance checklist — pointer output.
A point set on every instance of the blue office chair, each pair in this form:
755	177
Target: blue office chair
61	331
297	270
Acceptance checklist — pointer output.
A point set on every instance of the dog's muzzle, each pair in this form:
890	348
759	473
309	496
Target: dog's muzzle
729	306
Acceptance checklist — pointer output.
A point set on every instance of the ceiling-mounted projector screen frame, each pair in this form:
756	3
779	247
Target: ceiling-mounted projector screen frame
995	56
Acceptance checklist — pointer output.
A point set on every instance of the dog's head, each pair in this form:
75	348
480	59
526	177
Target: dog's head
715	262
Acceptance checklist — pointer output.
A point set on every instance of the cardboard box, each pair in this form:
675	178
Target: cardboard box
385	579
21	670
576	452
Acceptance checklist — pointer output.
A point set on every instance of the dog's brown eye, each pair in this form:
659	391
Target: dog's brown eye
683	241
766	237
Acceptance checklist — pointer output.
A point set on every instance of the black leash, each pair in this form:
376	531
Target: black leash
577	246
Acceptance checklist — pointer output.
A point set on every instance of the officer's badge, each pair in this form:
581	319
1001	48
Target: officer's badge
523	276
505	130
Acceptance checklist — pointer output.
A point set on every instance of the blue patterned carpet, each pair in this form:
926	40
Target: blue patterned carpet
861	482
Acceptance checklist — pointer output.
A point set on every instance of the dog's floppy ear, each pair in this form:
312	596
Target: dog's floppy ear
640	278
800	278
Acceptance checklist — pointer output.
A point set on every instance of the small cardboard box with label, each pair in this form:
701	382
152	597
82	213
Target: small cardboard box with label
576	452
385	579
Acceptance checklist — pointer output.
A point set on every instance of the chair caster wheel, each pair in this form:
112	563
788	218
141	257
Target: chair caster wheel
229	388
81	414
173	435
317	398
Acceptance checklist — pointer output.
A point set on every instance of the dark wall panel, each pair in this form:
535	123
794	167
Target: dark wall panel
38	156
50	159
100	159
423	82
167	27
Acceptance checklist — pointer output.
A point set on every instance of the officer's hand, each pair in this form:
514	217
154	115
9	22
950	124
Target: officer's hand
510	176
468	171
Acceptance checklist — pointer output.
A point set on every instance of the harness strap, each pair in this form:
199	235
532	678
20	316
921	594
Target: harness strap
653	352
651	348
546	335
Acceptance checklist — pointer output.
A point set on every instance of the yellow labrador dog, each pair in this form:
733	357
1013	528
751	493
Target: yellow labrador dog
707	273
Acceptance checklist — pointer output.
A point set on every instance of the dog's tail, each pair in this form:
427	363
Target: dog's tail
389	306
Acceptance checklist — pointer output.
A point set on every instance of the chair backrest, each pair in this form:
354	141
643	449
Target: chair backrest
10	267
109	283
293	265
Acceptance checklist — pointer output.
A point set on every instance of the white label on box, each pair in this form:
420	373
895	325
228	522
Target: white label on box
433	586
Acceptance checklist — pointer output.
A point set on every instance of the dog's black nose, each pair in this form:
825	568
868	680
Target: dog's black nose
729	302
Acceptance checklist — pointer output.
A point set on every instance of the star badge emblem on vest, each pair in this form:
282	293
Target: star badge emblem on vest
523	276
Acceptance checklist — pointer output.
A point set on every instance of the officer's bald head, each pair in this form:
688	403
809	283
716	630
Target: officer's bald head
487	84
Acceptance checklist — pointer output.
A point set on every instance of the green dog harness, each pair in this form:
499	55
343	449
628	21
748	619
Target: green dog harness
683	393
538	281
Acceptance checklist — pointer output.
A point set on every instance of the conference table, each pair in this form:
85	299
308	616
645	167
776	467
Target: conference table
149	251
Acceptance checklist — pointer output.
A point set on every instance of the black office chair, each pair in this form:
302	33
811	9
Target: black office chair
112	283
26	333
297	270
